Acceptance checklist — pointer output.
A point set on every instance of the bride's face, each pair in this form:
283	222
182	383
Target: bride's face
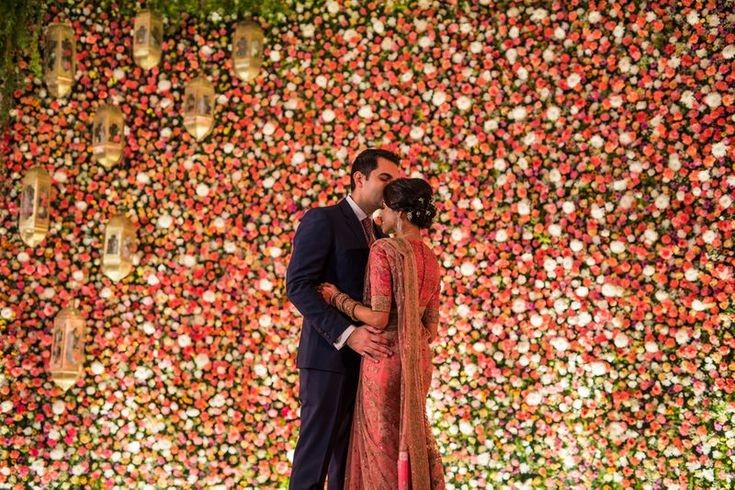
389	218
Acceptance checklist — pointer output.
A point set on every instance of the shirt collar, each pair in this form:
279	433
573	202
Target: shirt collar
361	215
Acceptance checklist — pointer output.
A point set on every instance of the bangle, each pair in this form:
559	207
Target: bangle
345	304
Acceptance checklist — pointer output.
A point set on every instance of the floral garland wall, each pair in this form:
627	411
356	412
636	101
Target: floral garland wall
582	157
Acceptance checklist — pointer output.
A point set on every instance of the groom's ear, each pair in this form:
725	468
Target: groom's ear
359	178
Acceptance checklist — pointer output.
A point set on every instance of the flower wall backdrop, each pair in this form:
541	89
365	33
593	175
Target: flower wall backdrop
582	155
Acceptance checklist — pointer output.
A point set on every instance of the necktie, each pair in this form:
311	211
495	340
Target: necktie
367	225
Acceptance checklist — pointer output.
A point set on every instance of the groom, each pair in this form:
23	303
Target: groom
331	244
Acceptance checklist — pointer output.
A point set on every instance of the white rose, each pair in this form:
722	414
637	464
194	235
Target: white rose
416	133
464	103
621	340
617	247
682	336
573	80
307	30
518	113
674	162
184	341
534	398
269	128
598	368
328	115
97	368
553	113
560	344
58	407
611	291
687	98
467	269
332	7
297	158
438	98
719	149
651	347
518	306
662	201
202	189
713	100
650	235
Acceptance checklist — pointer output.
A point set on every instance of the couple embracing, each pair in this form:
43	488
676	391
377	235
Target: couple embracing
370	307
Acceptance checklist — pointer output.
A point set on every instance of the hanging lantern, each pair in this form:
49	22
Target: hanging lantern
117	256
147	39
199	108
34	218
247	50
108	135
60	55
67	348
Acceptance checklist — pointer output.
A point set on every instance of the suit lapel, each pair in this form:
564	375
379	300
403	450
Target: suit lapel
352	222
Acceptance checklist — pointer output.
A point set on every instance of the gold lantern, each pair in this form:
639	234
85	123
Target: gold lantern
199	108
35	196
108	135
247	50
117	256
147	39
67	348
60	59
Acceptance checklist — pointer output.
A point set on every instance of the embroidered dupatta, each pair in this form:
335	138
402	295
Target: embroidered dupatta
413	462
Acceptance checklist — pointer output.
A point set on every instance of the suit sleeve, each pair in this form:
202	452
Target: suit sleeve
312	245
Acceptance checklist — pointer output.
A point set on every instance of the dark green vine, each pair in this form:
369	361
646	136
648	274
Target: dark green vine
20	22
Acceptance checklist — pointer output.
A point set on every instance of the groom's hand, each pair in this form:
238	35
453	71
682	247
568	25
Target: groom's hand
369	342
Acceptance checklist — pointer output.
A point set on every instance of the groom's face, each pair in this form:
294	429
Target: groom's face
371	187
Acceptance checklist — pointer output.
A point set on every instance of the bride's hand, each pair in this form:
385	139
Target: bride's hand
328	291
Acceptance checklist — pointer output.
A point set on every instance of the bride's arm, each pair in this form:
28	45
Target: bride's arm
352	308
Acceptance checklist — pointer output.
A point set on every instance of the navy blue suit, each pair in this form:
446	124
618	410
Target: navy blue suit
329	246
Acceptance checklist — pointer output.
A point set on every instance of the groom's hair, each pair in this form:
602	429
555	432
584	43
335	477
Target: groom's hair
367	161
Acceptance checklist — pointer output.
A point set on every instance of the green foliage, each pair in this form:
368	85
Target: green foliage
272	12
20	22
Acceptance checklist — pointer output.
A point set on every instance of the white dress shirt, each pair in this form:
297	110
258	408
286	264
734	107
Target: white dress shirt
361	215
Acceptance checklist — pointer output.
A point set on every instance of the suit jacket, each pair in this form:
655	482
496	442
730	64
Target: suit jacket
329	246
